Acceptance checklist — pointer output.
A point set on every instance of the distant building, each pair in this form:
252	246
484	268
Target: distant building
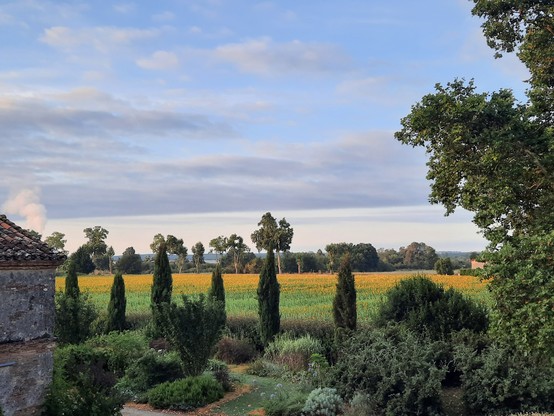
477	264
27	312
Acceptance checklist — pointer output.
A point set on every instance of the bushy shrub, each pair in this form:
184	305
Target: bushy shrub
294	353
264	368
74	318
82	384
122	349
498	380
425	307
244	327
283	402
235	351
394	368
220	371
322	402
186	394
151	369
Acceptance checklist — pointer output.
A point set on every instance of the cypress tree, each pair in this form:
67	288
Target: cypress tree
268	300
71	281
162	285
344	303
217	290
117	305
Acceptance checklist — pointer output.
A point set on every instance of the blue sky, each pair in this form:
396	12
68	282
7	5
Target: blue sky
194	118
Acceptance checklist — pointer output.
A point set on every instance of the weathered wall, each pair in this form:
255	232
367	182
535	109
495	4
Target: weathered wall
24	384
27	304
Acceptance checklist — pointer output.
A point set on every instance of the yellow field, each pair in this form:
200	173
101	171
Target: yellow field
302	295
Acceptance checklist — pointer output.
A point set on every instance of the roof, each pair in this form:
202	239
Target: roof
20	249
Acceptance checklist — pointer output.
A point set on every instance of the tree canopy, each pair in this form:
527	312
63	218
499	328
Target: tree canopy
273	236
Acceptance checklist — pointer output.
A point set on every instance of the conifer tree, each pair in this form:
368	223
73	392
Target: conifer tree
71	281
217	289
162	288
344	304
268	300
117	305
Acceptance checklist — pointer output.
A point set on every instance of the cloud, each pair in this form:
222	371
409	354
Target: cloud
163	16
159	60
265	57
102	38
26	203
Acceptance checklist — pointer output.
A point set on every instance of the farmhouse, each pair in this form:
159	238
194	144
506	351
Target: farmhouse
27	289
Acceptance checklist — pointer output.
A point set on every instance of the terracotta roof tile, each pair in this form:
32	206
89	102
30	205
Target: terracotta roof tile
19	248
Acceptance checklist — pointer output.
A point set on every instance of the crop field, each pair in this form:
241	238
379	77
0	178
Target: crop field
303	296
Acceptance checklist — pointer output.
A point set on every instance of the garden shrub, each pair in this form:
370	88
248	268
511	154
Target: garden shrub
498	380
186	394
82	384
235	351
244	327
394	368
151	369
74	318
283	402
294	353
264	368
220	371
425	307
322	402
121	348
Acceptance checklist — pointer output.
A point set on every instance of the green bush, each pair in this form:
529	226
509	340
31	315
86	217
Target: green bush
425	307
498	380
82	384
322	402
121	348
284	402
151	369
235	351
74	318
394	368
294	353
186	394
220	371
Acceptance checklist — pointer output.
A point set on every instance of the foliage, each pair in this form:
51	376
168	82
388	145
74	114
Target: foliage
117	305
293	353
497	380
193	330
217	288
173	245
186	394
219	245
198	255
82	384
162	287
268	300
72	281
425	307
363	257
149	370
444	266
235	350
394	368
236	248
322	402
272	236
283	402
82	260
220	372
96	244
344	303
56	241
523	288
130	262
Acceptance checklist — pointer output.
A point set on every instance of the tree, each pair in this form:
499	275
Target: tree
344	303
82	260
117	305
110	253
219	245
56	241
363	257
268	300
444	266
96	242
420	256
162	287
237	248
72	281
173	245
217	289
129	262
198	255
271	236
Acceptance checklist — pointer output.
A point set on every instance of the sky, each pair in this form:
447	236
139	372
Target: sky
194	118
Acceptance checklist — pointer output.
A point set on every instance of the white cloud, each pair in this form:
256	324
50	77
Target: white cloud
265	57
159	60
163	16
124	8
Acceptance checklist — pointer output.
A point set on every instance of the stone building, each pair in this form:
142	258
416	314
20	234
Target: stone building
27	312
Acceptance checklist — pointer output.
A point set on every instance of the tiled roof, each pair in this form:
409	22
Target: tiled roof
20	249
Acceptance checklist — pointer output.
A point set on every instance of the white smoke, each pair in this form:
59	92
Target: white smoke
26	203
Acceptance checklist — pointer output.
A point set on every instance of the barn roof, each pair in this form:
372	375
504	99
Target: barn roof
20	249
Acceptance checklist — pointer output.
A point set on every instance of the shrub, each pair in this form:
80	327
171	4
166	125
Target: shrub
151	369
344	303
82	384
322	402
264	368
244	327
394	368
74	318
186	394
117	305
294	353
425	307
284	403
235	351
444	266
498	380
220	371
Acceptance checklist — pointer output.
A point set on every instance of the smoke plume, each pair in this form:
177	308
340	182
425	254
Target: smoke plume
26	203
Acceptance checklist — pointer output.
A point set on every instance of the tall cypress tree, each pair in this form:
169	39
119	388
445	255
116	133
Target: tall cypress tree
162	287
268	300
344	304
217	290
117	305
71	281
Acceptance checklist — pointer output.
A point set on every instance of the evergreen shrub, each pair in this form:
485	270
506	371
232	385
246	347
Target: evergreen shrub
323	402
235	351
186	394
293	353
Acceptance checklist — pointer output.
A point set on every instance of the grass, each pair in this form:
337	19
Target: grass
303	296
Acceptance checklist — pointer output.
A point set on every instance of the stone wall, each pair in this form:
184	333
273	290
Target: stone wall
24	382
27	304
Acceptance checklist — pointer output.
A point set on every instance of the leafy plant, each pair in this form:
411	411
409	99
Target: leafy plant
186	394
283	402
322	402
117	305
294	353
235	351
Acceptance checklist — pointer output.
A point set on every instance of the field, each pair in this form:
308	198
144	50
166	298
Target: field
303	296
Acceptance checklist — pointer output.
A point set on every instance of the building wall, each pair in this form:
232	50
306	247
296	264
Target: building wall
27	304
